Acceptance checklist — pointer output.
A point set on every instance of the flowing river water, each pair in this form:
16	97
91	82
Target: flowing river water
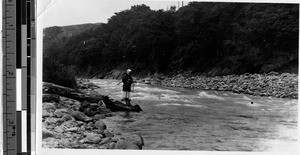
184	119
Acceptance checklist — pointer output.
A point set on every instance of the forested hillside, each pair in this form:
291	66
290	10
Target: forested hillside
209	38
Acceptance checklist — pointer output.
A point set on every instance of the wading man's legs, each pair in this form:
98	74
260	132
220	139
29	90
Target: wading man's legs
126	97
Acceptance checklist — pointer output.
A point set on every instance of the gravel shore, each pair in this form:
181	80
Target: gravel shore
68	123
273	84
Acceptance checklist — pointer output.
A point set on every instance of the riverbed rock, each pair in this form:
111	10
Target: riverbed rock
91	138
105	140
59	129
126	145
58	113
79	116
50	142
90	126
49	107
51	120
46	133
108	134
45	113
111	145
135	139
99	116
73	129
100	125
67	117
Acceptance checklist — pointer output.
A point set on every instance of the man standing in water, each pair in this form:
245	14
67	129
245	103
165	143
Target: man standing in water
127	81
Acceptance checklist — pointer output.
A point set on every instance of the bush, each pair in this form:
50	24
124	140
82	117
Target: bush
57	73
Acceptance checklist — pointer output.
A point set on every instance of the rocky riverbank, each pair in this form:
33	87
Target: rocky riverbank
272	84
68	123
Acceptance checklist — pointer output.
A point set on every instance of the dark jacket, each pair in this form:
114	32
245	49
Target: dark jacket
127	81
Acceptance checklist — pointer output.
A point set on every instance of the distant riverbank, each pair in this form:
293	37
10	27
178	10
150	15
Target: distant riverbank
283	85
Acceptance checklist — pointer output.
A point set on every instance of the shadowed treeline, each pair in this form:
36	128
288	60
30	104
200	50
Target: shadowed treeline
209	38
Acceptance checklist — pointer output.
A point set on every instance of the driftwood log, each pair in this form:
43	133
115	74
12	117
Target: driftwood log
49	88
51	91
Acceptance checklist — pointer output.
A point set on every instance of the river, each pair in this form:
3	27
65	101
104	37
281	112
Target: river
184	119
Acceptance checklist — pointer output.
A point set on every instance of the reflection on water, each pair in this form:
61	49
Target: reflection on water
182	119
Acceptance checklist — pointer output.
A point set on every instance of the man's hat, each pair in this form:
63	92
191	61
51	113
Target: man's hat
128	71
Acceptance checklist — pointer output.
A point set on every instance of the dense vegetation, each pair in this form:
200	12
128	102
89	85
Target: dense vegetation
208	38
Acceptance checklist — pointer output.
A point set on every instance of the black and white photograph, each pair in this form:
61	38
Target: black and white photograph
169	75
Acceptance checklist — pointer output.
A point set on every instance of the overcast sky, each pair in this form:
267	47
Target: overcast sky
70	12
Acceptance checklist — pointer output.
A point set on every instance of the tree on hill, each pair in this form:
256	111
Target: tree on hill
211	38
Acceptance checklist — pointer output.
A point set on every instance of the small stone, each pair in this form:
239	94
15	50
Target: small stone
108	134
99	116
51	120
46	113
50	107
135	139
80	123
59	129
85	104
105	140
51	126
67	117
80	116
73	129
112	145
100	125
126	145
90	125
46	133
91	138
100	103
68	125
103	147
58	113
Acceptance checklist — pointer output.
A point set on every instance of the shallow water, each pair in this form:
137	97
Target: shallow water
183	119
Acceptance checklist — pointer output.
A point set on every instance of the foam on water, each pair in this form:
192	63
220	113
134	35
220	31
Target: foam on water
248	103
291	102
211	96
172	97
246	98
160	97
149	89
144	96
177	104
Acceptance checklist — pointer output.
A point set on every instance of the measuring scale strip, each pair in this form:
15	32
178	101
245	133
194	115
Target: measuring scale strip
17	63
